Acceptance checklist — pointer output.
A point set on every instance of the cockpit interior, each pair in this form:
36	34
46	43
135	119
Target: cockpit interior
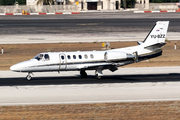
43	57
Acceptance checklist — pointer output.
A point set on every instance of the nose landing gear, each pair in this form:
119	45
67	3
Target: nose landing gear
28	77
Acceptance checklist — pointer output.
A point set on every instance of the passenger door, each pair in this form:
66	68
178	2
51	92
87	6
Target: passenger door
63	62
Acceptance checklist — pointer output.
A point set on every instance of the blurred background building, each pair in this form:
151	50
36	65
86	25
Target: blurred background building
52	6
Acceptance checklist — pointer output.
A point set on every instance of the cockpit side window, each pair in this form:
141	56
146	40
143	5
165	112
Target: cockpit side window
38	57
46	56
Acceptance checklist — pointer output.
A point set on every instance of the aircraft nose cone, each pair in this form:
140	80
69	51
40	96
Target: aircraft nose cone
14	68
20	67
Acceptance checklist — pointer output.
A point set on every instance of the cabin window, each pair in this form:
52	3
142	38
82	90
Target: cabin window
92	56
85	56
74	56
62	57
80	57
46	56
69	57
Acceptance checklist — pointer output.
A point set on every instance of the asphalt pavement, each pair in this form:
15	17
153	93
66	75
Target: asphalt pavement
92	27
123	75
124	85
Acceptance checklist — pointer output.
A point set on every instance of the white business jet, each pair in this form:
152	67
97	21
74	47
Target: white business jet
97	60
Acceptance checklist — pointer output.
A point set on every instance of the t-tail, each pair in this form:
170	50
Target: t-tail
156	37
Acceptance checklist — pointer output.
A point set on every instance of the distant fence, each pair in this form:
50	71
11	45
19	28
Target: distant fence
163	6
157	6
39	9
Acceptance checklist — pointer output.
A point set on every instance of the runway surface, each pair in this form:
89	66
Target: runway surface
90	27
74	26
125	85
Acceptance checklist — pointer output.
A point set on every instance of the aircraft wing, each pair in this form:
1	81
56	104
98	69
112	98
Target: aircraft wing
92	66
110	64
113	65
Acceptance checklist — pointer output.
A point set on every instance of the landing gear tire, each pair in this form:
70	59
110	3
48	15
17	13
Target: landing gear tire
28	77
98	77
83	74
98	74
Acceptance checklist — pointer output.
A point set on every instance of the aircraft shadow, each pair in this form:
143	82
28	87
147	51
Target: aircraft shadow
91	79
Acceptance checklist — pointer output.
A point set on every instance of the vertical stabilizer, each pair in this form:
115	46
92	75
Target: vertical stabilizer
157	34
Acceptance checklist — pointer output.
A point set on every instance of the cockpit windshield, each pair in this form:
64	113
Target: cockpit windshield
44	57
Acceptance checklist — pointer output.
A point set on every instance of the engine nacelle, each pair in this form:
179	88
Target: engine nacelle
114	56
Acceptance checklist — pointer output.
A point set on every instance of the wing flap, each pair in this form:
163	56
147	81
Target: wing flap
91	66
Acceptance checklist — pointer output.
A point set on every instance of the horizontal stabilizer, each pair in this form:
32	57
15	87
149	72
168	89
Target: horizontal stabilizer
155	46
139	43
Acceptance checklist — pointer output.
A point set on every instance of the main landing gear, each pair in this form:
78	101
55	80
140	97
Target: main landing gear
83	73
98	73
28	77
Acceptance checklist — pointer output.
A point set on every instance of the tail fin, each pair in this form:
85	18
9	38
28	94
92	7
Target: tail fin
157	34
